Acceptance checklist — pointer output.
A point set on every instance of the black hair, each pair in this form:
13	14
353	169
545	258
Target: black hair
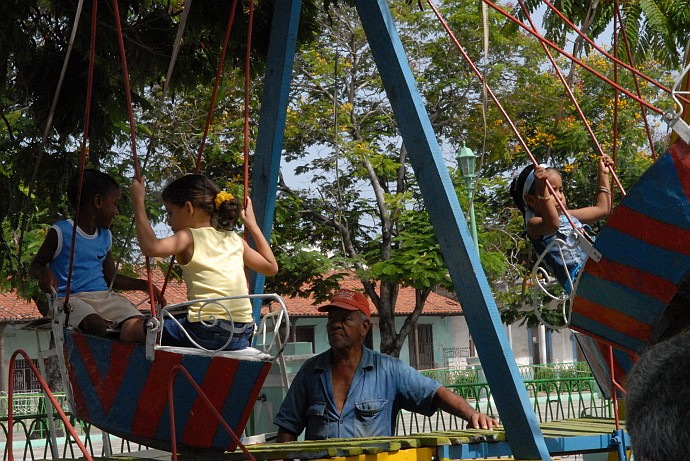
518	184
94	183
201	193
658	401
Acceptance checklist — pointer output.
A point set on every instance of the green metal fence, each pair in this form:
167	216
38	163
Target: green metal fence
31	432
557	391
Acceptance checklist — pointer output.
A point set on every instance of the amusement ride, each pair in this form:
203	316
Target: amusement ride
630	293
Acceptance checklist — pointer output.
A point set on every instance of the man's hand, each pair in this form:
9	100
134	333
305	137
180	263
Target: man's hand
482	421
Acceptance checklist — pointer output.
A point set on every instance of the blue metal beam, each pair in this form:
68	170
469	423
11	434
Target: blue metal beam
269	143
521	425
558	446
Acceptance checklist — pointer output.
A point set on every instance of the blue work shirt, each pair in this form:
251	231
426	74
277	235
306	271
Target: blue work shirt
382	385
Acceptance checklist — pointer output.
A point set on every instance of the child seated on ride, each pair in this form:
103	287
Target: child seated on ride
545	221
93	308
212	258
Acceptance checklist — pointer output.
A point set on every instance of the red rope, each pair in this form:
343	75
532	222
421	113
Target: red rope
615	91
85	138
604	52
133	137
502	110
580	62
614	385
128	93
209	116
247	77
565	83
219	73
624	35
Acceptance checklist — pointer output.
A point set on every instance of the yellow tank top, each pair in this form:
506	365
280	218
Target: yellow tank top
216	270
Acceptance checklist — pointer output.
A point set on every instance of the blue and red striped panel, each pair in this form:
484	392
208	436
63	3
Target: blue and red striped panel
645	249
116	389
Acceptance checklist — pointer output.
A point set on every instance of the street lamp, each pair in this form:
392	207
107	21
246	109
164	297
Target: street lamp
467	161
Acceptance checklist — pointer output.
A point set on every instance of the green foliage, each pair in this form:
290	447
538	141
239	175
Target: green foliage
358	208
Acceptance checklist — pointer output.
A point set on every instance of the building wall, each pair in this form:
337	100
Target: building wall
14	337
452	341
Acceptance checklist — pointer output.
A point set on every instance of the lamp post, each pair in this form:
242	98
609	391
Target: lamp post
467	161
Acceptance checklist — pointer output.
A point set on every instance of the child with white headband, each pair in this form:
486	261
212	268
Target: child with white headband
545	221
212	258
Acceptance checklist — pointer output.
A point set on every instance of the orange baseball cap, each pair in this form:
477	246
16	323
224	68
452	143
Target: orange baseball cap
349	300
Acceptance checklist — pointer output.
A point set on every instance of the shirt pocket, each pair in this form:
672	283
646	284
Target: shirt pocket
317	423
371	418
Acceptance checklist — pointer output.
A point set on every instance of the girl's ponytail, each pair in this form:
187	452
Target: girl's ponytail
517	185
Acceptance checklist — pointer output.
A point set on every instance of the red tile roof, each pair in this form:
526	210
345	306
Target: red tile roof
13	308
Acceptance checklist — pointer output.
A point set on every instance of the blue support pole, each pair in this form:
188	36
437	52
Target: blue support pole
269	143
521	425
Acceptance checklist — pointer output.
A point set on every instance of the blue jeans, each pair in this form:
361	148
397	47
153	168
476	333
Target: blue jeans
209	337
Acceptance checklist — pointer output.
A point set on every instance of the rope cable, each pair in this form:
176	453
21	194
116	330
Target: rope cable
85	137
178	43
583	64
616	98
568	90
49	125
247	78
128	93
601	50
152	143
216	84
209	115
501	109
624	35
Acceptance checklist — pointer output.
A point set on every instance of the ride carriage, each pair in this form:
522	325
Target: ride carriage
135	392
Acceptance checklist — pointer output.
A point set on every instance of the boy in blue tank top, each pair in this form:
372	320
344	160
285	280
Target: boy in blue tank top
93	308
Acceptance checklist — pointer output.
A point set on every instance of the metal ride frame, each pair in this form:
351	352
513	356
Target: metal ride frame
543	282
526	440
270	342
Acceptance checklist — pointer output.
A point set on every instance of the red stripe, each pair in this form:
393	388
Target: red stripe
81	346
633	278
680	152
81	408
154	396
106	387
655	233
201	426
119	361
613	319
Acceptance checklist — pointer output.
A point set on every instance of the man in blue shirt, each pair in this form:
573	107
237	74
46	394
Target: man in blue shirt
352	391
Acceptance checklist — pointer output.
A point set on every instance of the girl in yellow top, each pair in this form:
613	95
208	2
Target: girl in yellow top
212	258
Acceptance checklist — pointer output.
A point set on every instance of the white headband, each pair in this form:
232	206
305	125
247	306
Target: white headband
529	181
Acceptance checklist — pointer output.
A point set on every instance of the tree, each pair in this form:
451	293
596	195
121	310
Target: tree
342	132
33	47
657	29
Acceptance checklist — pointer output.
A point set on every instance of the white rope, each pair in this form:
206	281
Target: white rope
56	96
177	45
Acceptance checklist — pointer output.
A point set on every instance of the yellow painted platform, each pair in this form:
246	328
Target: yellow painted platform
415	447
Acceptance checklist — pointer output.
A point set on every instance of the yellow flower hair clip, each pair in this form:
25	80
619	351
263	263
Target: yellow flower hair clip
223	196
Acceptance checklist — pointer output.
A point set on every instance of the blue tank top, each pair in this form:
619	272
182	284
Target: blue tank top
89	256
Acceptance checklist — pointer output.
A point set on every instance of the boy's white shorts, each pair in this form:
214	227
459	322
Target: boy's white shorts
113	308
